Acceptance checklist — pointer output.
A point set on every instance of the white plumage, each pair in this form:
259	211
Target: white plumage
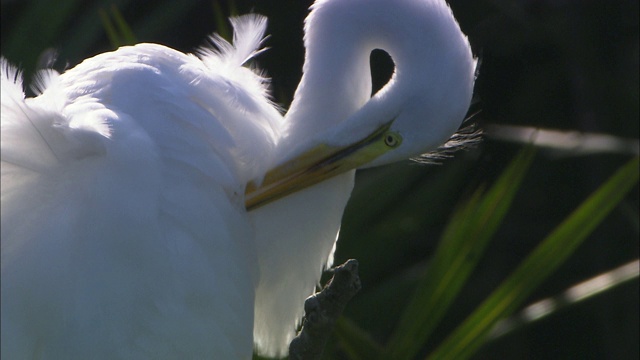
124	229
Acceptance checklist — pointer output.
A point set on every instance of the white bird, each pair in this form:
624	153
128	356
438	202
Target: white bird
157	205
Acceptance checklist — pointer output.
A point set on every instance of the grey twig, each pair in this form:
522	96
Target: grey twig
322	311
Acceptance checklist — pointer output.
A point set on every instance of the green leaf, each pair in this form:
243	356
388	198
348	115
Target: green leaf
223	27
118	31
542	262
357	343
462	244
126	34
574	295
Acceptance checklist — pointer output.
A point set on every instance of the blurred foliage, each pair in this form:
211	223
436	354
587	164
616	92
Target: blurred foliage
550	64
116	27
460	248
538	265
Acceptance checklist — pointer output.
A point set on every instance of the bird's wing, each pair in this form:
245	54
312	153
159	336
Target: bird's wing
123	227
37	140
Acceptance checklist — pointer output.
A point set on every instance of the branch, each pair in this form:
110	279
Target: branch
322	311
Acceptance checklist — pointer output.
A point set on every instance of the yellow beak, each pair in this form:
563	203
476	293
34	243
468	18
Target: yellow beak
318	164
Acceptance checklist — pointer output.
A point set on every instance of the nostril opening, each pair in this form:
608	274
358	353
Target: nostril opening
381	69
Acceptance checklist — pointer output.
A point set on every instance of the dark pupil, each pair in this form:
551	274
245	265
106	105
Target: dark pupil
390	140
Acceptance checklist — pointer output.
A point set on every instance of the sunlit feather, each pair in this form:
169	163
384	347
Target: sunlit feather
124	182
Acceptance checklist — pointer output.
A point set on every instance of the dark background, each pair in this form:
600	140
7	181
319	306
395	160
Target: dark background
564	64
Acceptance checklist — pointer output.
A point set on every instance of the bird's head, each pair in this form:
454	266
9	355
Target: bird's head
421	106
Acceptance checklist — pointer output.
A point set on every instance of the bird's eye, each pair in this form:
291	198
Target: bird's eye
392	140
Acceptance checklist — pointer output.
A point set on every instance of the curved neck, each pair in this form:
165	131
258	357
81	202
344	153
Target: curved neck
336	82
429	52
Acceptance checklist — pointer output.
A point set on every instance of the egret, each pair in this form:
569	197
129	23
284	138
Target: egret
158	205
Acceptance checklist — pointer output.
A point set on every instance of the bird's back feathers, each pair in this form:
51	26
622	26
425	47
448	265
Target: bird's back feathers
122	204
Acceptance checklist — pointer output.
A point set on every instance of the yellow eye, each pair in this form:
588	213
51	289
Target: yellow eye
392	139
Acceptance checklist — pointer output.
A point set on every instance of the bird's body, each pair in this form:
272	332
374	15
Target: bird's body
124	228
138	230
